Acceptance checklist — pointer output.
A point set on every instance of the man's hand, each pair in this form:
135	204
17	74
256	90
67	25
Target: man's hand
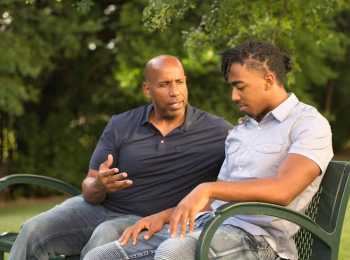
152	224
186	211
110	178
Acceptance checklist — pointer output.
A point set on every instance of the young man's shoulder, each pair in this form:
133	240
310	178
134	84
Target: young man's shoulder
308	114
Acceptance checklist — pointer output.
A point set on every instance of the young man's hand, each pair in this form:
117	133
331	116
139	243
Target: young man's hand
152	224
186	211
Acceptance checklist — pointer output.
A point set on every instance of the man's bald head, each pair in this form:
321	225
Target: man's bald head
158	63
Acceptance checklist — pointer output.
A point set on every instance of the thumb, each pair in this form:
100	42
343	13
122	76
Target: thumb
148	234
107	163
109	160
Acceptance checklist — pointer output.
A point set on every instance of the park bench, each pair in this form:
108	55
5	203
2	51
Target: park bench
319	237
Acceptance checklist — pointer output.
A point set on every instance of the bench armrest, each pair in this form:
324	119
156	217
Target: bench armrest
39	180
256	208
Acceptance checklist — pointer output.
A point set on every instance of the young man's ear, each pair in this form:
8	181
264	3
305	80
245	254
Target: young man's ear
145	88
270	80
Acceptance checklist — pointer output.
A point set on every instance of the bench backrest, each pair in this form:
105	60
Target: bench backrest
328	209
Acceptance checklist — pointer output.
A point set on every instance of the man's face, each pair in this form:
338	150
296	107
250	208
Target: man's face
249	90
168	90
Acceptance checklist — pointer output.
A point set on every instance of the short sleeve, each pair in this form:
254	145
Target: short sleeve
107	144
312	137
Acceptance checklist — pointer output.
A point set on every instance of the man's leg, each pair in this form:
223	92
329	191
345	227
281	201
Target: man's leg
144	249
109	231
62	230
228	243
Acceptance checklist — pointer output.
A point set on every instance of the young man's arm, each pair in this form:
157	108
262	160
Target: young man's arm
294	174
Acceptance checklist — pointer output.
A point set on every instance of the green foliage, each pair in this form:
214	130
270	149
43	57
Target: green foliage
67	66
297	26
308	30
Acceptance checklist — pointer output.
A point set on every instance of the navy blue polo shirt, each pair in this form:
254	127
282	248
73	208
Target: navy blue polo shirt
163	169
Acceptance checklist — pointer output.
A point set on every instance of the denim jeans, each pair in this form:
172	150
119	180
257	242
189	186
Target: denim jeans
228	243
74	227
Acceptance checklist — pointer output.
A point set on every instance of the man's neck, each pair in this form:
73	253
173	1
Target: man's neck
166	124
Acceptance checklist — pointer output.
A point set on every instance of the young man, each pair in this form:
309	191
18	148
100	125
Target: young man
278	154
146	160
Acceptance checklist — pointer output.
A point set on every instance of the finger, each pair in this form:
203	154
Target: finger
107	163
118	185
136	233
192	220
174	221
149	233
119	176
108	172
123	240
183	223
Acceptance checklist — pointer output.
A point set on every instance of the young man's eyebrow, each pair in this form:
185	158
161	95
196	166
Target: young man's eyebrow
235	82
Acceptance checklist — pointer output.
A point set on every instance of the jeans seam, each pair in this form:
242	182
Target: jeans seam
57	235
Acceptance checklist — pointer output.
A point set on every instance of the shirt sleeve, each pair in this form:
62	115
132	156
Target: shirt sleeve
312	137
107	144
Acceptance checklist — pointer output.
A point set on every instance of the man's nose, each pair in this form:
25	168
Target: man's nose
173	89
235	95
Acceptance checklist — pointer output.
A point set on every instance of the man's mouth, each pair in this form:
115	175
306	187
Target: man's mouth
242	106
176	105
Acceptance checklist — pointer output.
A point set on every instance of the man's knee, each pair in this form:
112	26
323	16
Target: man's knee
176	249
110	251
108	231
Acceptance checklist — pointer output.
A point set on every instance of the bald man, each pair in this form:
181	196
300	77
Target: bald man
146	160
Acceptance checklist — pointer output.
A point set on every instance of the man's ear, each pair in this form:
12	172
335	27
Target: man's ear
145	88
270	80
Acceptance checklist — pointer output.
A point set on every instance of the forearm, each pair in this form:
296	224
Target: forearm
262	190
93	192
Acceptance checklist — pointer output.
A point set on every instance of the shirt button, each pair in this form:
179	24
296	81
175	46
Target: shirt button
162	141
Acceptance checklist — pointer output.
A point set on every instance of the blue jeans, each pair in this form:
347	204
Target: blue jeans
74	227
228	243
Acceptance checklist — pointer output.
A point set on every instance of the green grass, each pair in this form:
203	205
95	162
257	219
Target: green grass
13	214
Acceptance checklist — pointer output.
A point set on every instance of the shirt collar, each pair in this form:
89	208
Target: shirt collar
185	126
282	111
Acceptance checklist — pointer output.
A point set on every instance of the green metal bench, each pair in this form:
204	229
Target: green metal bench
7	239
321	225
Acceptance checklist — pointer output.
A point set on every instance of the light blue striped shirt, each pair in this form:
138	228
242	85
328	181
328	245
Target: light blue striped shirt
255	150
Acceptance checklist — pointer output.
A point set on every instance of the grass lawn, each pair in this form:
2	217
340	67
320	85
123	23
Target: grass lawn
13	214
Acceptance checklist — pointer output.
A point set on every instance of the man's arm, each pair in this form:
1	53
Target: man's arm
97	184
294	175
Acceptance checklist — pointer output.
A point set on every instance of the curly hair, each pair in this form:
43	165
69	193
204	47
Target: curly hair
261	56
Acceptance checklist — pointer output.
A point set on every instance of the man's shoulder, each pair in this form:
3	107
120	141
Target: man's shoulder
307	113
308	118
130	116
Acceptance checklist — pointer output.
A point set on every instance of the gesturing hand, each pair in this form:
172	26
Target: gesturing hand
110	178
152	224
186	211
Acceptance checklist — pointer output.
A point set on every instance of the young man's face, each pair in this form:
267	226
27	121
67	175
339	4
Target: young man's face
168	91
249	90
